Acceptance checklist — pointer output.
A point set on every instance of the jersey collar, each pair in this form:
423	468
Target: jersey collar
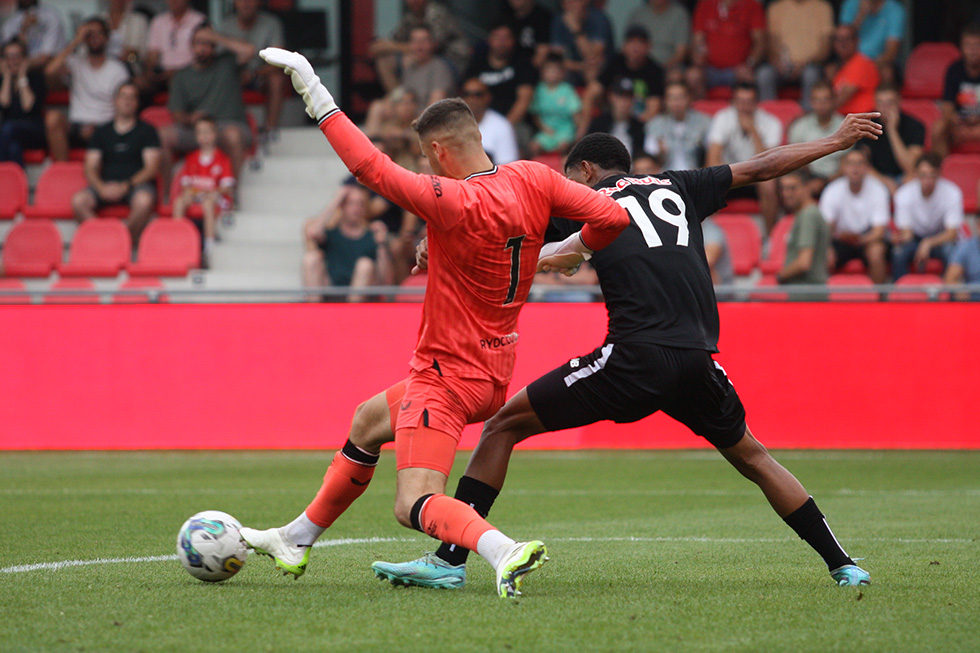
492	171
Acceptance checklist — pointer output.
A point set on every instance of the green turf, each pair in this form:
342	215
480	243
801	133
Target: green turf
650	551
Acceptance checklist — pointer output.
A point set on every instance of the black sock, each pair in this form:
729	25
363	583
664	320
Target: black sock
477	494
810	525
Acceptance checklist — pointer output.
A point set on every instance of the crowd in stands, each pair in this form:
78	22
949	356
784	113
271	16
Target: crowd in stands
681	84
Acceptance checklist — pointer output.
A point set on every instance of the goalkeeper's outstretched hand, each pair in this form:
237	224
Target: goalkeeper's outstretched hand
318	100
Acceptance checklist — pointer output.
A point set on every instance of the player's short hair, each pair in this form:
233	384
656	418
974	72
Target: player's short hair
604	150
933	159
449	115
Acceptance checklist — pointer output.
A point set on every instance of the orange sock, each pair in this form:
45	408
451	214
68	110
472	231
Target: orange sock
344	481
452	521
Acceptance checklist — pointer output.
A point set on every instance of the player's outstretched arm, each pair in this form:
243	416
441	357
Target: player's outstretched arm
787	158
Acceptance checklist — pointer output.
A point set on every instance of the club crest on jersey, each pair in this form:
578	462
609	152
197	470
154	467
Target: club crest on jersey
638	181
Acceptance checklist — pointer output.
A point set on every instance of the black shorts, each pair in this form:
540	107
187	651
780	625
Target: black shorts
626	382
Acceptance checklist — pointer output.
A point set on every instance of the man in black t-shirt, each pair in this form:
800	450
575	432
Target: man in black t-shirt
894	156
121	165
633	63
961	97
531	24
663	330
507	73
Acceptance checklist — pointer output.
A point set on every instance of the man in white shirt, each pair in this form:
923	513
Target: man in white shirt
39	27
93	78
739	132
928	213
857	207
499	139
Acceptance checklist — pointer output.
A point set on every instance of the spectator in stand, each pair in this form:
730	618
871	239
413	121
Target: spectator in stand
583	34
855	76
633	65
450	42
22	93
856	205
390	121
646	164
678	135
739	132
343	248
206	180
894	158
169	48
425	73
809	239
928	216
668	25
499	139
507	73
93	79
128	34
719	256
531	24
822	121
618	118
262	30
210	86
881	28
555	108
961	97
39	28
799	43
121	165
728	42
964	266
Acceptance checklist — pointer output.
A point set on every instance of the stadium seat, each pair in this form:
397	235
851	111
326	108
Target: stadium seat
33	248
57	98
709	107
964	171
55	187
413	281
786	110
194	211
925	70
9	285
141	283
101	247
851	280
169	247
778	238
854	266
762	292
744	241
740	205
76	285
118	211
925	111
720	93
35	156
553	161
13	197
76	154
917	280
157	116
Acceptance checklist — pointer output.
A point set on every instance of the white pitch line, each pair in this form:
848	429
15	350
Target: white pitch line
64	564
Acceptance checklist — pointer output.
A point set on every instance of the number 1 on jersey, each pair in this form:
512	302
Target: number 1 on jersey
642	217
514	245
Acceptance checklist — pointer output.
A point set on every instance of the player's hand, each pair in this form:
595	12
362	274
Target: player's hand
857	126
318	100
564	257
421	256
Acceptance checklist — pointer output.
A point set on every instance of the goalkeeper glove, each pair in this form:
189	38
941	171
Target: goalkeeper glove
564	257
318	100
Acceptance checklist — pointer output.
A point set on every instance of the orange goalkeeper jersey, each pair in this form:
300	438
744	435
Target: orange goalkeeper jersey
484	234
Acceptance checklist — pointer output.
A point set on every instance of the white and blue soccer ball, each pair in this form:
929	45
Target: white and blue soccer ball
210	547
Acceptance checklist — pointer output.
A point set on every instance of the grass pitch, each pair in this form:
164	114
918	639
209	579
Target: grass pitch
650	551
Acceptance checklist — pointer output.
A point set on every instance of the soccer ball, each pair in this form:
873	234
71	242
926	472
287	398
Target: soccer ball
209	546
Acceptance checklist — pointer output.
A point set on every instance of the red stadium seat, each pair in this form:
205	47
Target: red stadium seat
141	283
925	70
101	247
720	93
194	211
169	247
762	292
964	171
778	238
744	241
710	107
32	249
57	98
157	116
917	280
35	156
786	110
413	281
13	197
73	284
554	161
854	266
925	111
10	285
118	211
52	197
740	205
851	280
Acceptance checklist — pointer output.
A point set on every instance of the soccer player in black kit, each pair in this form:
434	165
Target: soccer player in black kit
663	330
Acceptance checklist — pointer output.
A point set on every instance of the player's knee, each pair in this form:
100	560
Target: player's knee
370	427
403	511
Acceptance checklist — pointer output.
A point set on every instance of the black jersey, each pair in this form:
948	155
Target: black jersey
654	276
